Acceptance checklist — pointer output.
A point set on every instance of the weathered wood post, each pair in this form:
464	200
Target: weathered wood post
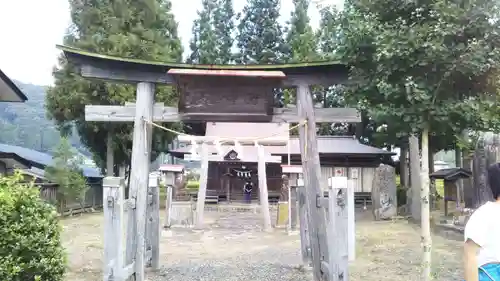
153	224
305	244
263	194
169	199
139	177
415	180
312	175
290	202
294	214
351	219
110	161
113	199
202	191
338	229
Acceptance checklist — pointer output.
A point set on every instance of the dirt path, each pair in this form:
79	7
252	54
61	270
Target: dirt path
234	249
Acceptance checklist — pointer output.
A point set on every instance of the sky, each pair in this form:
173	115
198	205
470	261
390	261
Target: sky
27	48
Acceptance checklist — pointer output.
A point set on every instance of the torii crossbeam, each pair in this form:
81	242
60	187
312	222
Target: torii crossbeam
167	114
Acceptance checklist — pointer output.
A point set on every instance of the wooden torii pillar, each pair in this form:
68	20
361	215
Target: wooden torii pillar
147	74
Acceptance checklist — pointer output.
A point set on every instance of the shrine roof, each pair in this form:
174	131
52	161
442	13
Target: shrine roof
80	56
451	174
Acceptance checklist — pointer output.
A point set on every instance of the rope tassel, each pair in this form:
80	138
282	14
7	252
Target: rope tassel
238	147
223	137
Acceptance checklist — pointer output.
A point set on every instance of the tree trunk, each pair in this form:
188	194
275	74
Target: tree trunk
467	190
462	160
458	157
460	182
127	175
433	194
425	208
431	160
110	161
122	171
486	153
404	173
414	198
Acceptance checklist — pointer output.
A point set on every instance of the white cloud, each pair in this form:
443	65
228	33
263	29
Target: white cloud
30	29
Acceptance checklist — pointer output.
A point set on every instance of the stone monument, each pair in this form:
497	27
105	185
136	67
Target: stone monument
384	193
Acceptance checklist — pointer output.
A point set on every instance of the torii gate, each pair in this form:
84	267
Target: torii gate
219	103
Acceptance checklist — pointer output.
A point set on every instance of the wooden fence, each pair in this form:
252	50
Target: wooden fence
121	234
339	247
93	198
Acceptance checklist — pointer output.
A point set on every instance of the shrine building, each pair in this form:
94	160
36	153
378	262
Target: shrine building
339	156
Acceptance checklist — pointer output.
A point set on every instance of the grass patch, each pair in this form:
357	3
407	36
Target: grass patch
193	185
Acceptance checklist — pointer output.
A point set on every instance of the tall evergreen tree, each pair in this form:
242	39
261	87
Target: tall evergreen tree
300	37
224	30
126	28
212	33
204	42
260	36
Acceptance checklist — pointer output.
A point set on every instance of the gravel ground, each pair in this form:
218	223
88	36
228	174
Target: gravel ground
234	248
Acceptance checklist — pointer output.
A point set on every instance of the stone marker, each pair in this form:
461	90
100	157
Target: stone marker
384	193
182	214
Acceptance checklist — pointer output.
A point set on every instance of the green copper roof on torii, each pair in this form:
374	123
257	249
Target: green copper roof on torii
295	68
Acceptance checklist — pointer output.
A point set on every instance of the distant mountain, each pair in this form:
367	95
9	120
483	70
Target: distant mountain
25	124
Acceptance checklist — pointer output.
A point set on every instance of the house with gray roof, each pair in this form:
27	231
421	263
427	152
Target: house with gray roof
34	162
15	157
9	92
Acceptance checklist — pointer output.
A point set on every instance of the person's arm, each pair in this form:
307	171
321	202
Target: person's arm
475	235
470	260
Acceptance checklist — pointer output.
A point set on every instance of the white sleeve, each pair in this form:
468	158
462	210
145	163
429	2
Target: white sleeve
476	227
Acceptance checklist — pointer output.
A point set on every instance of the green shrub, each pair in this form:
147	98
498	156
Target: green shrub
30	234
193	184
192	176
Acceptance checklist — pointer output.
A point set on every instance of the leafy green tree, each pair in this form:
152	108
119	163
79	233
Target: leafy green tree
66	173
212	33
126	28
431	65
260	35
